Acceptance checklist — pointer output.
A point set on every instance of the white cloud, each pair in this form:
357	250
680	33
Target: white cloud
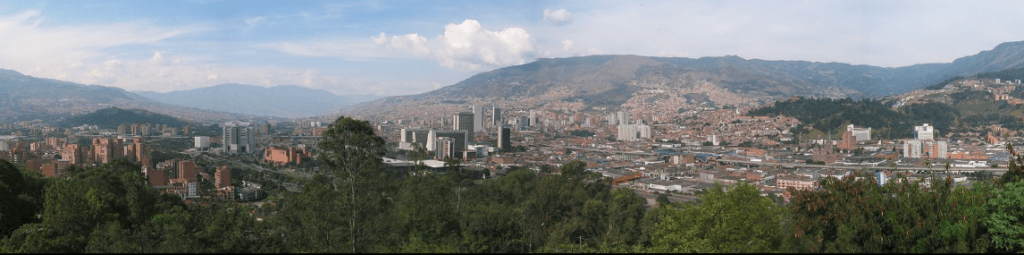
559	17
380	39
414	43
567	45
255	20
463	46
26	45
469	46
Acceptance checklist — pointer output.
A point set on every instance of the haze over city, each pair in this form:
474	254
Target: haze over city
407	47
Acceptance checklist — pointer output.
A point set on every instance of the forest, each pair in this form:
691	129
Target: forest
361	206
832	114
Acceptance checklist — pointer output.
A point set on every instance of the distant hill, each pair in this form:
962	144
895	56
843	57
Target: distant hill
280	101
627	81
832	115
24	97
113	116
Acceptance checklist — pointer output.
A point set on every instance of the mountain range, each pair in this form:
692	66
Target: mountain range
24	97
628	81
589	82
281	101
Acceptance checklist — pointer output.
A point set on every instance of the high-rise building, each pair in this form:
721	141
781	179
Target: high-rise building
71	153
143	152
157	177
495	116
924	132
202	142
265	130
504	138
187	170
463	121
459	138
633	132
446	148
222	178
238	137
122	129
478	117
413	135
925	149
106	149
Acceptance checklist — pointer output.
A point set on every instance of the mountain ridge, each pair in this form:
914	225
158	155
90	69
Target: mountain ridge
287	101
615	81
24	97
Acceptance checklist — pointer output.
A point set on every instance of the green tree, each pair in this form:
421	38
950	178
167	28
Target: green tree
625	213
16	205
738	220
1006	222
355	154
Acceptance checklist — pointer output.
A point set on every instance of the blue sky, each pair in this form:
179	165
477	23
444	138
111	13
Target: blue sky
409	47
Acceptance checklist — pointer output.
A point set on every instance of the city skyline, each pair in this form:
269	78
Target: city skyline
395	48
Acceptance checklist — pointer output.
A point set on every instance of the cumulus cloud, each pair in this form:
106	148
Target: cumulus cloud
414	43
464	46
469	46
559	17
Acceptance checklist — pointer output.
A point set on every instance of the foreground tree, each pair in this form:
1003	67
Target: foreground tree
737	220
354	154
852	215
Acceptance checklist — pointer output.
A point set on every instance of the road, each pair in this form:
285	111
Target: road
915	168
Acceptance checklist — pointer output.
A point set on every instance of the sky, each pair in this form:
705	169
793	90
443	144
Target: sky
398	47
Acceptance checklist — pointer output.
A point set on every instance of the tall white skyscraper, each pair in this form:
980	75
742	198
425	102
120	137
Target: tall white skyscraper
478	117
238	137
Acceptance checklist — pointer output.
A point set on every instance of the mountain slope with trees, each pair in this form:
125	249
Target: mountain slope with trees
612	80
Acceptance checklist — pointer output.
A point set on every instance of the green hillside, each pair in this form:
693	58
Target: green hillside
831	114
113	116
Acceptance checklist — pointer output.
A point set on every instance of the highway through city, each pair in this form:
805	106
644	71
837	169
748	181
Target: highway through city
936	167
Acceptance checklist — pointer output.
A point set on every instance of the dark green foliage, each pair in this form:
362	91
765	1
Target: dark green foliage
737	220
582	133
1005	75
18	198
113	116
832	114
852	215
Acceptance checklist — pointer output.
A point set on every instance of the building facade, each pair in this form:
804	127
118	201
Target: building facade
238	137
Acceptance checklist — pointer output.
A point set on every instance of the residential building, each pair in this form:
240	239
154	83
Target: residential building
633	132
222	178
